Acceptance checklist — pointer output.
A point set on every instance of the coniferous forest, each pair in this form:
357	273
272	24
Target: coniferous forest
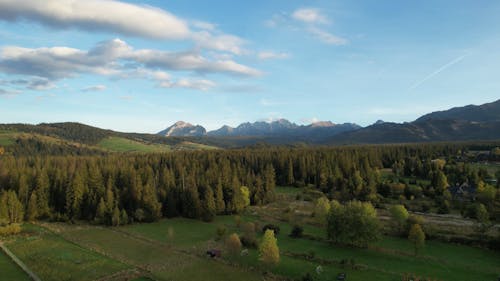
118	189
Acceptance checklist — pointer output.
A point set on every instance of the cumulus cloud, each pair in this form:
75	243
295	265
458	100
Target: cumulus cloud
95	88
108	15
310	15
266	55
112	58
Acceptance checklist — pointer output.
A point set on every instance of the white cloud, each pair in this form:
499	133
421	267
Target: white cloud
219	42
121	18
310	21
202	84
95	15
38	84
203	25
95	88
326	36
266	55
310	15
309	120
4	92
112	58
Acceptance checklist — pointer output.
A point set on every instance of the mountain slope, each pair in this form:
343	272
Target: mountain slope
457	124
477	113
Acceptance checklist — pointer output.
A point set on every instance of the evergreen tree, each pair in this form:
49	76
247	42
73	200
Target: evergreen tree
115	217
74	196
220	205
101	212
32	209
416	237
208	204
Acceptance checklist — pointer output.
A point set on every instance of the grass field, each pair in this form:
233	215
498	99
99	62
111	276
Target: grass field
161	260
117	144
9	271
53	258
7	138
388	260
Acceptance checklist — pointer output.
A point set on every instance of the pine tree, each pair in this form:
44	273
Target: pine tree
208	204
101	212
123	217
32	209
417	237
115	217
74	196
220	205
42	193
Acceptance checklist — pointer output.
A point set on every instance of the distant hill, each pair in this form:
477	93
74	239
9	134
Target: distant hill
487	112
79	139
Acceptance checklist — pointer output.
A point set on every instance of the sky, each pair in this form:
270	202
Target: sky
140	66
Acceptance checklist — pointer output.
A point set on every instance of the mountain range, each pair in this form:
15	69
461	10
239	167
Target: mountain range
471	122
278	128
468	123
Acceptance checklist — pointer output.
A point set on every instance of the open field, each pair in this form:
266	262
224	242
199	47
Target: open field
53	258
117	144
387	260
10	271
7	138
159	260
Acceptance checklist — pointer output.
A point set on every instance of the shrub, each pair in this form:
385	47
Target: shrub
248	239
272	227
10	229
307	277
233	244
220	232
297	231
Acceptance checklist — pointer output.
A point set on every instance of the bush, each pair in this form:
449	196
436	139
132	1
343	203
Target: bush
220	232
307	277
249	239
10	229
249	242
233	244
272	227
297	231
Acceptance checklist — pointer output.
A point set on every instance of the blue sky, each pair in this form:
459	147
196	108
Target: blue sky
142	65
